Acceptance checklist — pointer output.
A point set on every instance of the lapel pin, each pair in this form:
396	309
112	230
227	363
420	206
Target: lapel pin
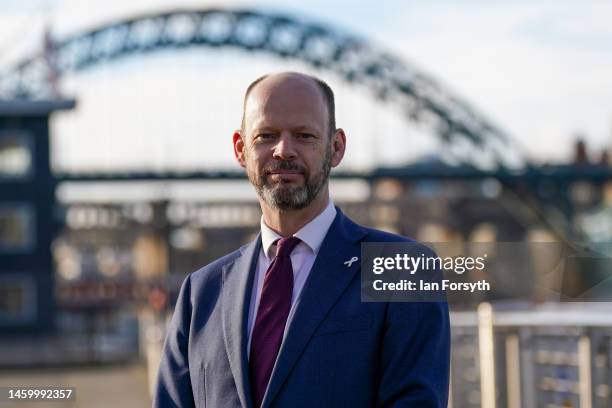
349	263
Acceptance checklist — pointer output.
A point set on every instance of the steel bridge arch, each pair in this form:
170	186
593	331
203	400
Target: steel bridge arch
469	137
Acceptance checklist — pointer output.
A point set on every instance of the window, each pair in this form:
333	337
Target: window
16	155
17	299
17	232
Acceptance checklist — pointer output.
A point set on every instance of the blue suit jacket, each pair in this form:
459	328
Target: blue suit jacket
338	351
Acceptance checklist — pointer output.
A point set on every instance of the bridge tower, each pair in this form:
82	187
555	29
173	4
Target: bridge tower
27	215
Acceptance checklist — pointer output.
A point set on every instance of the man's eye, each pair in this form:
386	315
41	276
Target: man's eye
305	135
265	136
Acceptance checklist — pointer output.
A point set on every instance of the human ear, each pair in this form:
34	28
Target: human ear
239	147
338	146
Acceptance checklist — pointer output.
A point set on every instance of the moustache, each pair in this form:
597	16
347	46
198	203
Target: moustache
284	166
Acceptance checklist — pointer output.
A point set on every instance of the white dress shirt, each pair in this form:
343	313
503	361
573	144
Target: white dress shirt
302	259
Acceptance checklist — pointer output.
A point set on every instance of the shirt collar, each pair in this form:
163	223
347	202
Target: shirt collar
312	234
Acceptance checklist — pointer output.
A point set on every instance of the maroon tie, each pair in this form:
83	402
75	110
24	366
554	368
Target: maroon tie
274	306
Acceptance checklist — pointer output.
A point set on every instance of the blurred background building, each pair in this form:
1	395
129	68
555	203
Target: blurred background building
115	185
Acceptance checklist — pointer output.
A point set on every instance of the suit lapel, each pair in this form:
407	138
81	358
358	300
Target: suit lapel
237	287
328	278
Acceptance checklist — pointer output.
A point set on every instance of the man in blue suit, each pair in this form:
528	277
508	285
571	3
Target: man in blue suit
280	322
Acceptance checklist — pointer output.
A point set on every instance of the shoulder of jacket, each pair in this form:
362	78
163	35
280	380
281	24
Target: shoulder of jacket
217	265
375	235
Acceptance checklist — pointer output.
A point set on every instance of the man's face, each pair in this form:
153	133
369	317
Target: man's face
287	149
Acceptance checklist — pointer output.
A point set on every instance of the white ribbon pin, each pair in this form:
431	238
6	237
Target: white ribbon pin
349	263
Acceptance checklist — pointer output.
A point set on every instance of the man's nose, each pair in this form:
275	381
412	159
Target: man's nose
285	147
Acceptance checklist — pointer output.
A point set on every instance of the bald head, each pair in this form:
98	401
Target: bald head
287	86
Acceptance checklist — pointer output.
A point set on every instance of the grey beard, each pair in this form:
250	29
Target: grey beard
286	198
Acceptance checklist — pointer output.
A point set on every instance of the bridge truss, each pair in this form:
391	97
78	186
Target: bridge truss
467	137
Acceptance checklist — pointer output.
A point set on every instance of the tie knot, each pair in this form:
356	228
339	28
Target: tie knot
285	246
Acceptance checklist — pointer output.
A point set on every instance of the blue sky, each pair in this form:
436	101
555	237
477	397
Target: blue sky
539	69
